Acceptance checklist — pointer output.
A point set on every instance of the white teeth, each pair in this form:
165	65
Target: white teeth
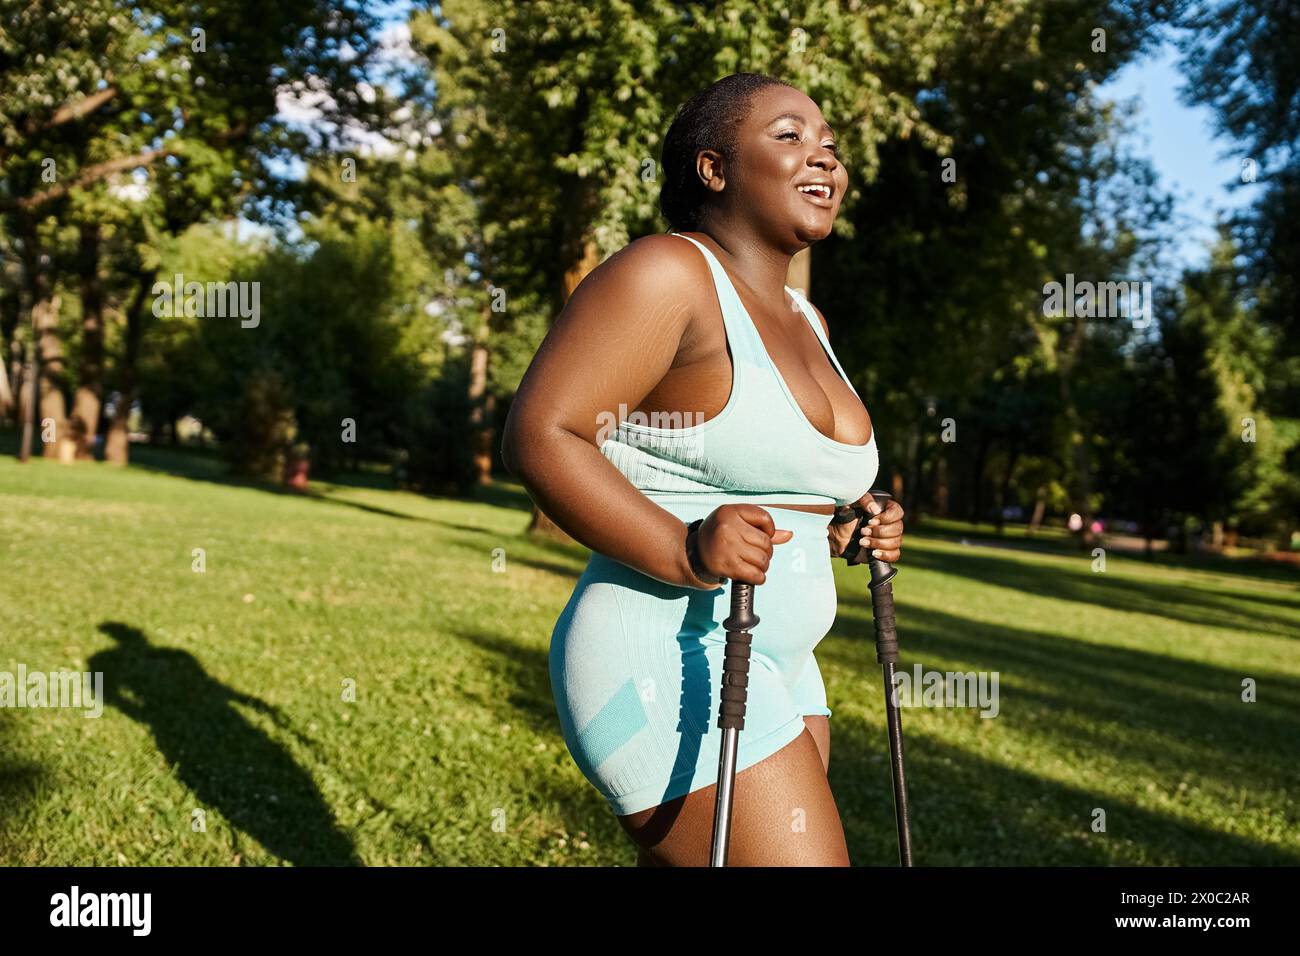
823	191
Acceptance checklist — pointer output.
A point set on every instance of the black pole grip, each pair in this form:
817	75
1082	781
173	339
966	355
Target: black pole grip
882	613
855	553
735	659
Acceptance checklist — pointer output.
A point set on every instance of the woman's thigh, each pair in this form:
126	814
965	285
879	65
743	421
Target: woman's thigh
820	728
783	814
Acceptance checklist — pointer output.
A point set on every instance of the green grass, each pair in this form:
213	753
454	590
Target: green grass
1119	690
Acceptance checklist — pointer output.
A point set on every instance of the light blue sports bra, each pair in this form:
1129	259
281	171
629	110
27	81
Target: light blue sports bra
761	446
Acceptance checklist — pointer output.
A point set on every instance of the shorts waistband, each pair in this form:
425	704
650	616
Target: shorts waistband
690	507
715	498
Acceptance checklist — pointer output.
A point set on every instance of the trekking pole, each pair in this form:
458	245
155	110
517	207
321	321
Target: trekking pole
731	711
882	614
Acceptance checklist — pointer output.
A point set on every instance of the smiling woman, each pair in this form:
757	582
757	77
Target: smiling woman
705	331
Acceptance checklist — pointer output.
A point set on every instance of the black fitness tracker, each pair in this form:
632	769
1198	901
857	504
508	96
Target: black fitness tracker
693	555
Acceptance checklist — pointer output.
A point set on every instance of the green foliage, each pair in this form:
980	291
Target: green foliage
331	347
435	447
1240	61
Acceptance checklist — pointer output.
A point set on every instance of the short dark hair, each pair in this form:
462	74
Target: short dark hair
708	120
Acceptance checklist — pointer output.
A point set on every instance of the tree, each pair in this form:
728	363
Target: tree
556	110
1241	61
101	91
940	289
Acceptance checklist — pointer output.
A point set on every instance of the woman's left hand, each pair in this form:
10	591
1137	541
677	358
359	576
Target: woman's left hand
883	534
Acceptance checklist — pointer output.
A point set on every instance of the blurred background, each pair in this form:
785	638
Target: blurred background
270	274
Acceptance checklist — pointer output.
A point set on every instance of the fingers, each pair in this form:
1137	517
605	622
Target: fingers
742	562
754	535
739	542
869	503
750	565
757	517
883	534
839	536
758	528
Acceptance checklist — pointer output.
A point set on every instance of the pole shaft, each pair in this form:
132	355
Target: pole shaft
895	726
726	790
731	711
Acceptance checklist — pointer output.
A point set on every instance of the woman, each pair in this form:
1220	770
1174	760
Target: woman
755	437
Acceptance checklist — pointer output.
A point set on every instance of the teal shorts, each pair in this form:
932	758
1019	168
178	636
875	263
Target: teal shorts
636	665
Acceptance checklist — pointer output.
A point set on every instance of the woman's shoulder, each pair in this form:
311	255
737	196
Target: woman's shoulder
665	263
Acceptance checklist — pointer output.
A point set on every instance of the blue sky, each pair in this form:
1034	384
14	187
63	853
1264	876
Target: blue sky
1179	140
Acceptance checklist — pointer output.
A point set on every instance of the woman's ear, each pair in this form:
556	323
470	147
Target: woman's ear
709	167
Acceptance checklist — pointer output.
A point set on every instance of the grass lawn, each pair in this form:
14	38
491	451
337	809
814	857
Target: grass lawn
228	736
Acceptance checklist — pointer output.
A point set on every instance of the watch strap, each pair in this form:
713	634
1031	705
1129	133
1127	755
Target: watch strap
693	554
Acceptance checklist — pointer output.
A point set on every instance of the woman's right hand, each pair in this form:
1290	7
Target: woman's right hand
735	542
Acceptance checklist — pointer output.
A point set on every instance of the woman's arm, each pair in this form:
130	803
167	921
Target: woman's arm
613	342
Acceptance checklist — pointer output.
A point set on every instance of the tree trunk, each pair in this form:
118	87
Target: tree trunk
1040	506
941	486
1081	483
117	445
481	404
975	507
6	393
10	367
913	484
53	404
1012	457
27	400
90	387
48	359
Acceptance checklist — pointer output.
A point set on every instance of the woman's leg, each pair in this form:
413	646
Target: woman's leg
783	814
820	727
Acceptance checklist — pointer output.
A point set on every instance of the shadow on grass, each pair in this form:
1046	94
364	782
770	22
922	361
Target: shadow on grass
1176	602
206	465
966	811
229	764
1174	719
1066	546
523	669
570	572
18	784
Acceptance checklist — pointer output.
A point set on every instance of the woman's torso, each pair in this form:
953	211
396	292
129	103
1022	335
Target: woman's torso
795	405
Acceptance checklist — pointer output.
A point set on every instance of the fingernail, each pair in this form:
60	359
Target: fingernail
875	553
874	508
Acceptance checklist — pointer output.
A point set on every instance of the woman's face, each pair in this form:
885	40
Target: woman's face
784	151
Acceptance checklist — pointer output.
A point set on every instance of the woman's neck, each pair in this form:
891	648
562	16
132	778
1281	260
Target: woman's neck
750	259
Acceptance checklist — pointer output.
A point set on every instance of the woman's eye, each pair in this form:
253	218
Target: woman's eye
834	148
788	132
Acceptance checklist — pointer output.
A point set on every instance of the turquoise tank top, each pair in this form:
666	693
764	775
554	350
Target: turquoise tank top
761	446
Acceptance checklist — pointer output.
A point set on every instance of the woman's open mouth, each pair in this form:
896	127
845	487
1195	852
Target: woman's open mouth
819	194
